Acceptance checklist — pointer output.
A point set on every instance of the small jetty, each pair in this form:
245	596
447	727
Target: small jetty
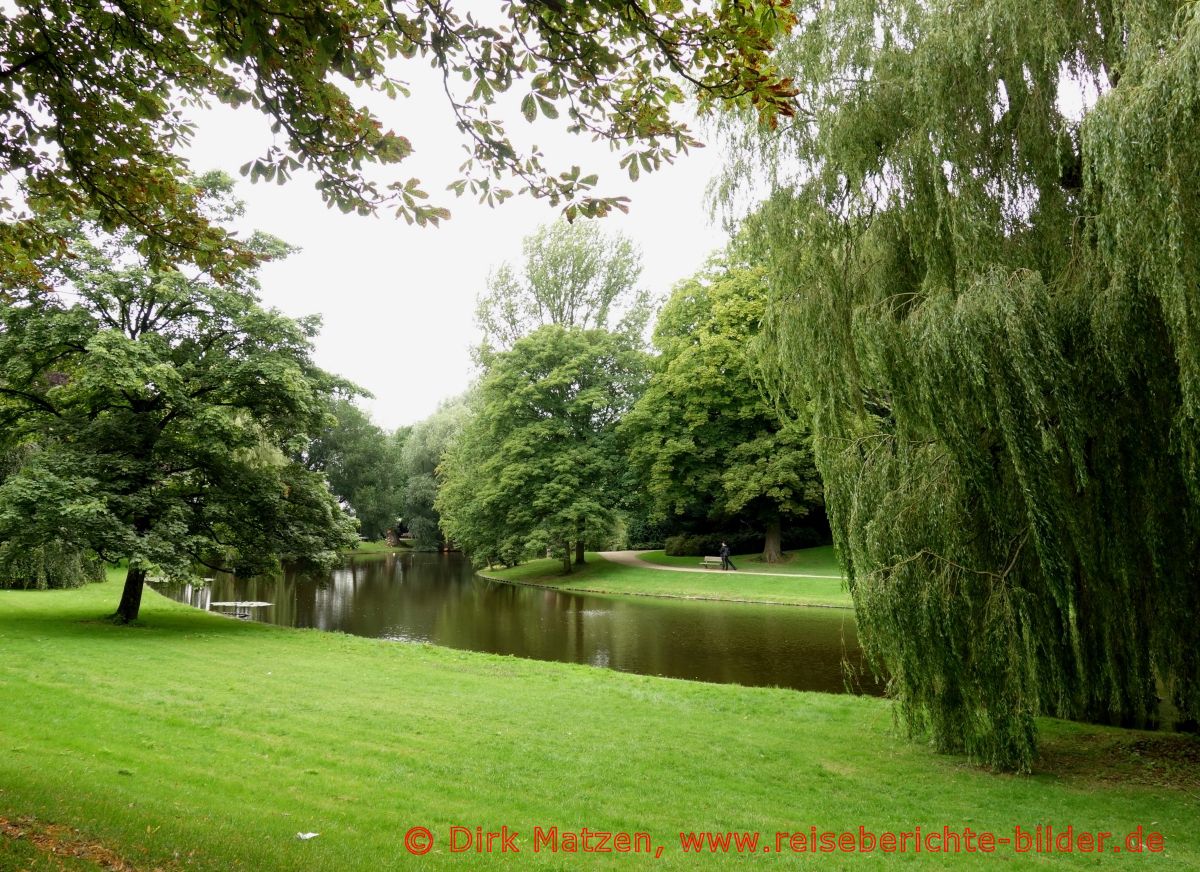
241	608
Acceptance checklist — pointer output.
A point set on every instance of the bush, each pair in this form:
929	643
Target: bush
813	532
709	544
612	539
642	534
425	534
683	544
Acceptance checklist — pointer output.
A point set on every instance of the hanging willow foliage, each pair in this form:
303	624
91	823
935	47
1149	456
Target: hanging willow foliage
984	239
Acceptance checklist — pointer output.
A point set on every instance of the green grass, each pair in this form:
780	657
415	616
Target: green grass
602	576
378	548
806	561
200	742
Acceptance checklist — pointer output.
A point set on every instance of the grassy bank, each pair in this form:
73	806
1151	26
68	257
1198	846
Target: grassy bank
200	742
602	576
378	548
806	561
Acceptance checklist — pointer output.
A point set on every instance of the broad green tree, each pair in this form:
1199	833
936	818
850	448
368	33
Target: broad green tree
702	436
538	465
107	88
423	453
984	270
363	464
161	413
572	275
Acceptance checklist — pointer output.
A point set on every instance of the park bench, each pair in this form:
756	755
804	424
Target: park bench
711	562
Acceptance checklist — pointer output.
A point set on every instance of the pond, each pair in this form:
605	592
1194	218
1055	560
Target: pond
437	598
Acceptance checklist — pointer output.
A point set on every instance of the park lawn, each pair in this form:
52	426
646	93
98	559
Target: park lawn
804	561
201	742
380	547
602	576
196	741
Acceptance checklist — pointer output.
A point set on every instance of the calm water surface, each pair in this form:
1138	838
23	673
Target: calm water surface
437	598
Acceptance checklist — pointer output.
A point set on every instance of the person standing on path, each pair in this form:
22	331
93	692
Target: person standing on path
726	563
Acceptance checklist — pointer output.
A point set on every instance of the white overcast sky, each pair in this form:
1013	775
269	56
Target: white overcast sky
397	300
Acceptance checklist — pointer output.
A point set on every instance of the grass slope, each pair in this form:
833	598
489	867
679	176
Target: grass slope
601	576
200	742
806	561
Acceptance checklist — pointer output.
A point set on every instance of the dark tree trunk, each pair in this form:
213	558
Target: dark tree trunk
131	596
579	553
772	550
566	557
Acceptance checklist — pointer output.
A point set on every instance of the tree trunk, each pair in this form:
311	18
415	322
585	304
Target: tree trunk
579	553
566	557
772	552
131	596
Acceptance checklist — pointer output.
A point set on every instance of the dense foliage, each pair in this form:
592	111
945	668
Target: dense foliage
422	454
982	250
703	438
52	565
538	465
363	464
161	414
94	98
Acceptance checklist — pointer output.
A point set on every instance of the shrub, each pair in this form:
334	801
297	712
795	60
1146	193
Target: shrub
743	541
708	544
642	534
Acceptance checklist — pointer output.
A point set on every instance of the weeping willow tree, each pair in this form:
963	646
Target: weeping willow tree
52	564
984	234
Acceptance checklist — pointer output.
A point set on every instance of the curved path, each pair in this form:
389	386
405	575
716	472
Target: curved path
633	558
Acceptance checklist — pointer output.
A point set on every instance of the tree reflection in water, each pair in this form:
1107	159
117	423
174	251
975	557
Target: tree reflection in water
437	598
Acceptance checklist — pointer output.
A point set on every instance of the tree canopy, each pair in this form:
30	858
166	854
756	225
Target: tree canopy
162	416
538	465
702	434
363	465
984	300
422	455
573	275
94	99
